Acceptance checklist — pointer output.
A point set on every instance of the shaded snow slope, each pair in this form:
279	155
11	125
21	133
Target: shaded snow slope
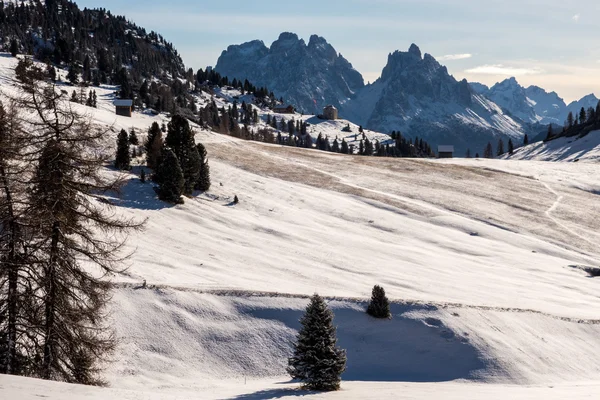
586	149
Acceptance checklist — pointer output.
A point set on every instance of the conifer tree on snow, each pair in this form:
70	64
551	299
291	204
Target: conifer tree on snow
73	74
511	147
500	149
143	176
170	178
71	337
180	139
14	47
133	139
317	361
203	183
153	145
344	146
123	158
525	140
379	306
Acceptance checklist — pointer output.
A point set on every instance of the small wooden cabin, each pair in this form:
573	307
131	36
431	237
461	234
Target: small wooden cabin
445	151
284	109
123	107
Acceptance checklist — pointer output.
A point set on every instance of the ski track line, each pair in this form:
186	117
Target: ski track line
431	305
554	206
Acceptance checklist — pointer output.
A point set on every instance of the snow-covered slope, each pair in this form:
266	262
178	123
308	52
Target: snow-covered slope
478	256
586	148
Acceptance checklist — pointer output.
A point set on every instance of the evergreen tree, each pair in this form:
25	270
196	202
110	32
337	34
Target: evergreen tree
143	176
73	231
570	120
488	152
133	139
73	74
511	147
582	116
203	183
123	158
525	140
14	47
317	361
170	178
180	139
550	132
379	306
500	149
344	146
153	145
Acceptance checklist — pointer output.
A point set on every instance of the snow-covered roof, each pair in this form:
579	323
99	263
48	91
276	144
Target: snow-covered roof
123	103
445	149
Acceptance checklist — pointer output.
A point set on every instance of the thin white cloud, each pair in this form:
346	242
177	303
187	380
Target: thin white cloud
499	69
453	57
576	18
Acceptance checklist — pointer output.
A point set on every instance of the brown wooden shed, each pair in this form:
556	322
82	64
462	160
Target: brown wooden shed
123	107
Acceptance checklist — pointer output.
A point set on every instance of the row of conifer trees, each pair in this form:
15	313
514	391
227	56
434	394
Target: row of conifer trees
180	165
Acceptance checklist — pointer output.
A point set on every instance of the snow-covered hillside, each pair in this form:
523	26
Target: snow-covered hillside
575	148
480	258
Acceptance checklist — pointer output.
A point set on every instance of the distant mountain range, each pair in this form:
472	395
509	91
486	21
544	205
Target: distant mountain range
533	104
415	94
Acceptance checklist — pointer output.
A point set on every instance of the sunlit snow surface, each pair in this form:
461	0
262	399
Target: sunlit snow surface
479	256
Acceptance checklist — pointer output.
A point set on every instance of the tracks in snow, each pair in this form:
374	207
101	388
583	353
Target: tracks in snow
554	206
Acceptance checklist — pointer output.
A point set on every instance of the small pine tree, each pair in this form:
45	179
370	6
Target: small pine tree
500	149
143	176
170	178
317	361
133	139
235	199
525	140
203	183
379	306
123	158
511	147
14	47
73	74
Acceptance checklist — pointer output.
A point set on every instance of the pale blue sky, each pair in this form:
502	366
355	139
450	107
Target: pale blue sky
550	43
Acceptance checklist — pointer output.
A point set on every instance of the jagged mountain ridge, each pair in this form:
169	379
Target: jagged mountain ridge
306	75
532	104
415	94
418	96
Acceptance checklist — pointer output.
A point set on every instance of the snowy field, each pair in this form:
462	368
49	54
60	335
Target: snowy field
480	258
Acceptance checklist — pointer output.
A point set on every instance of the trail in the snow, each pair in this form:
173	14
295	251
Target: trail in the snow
554	206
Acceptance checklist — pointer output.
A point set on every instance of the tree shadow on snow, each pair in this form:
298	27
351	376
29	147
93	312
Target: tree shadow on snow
273	394
402	349
140	196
